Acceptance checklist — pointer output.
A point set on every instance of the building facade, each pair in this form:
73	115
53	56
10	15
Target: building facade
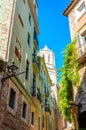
49	58
25	98
76	13
20	106
45	82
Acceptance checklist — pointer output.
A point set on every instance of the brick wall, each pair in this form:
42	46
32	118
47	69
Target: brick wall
9	120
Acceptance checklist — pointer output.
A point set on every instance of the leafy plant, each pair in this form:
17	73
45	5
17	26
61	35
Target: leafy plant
69	76
2	64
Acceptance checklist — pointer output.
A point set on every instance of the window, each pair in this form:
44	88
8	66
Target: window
30	18
28	40
18	53
81	44
81	7
24	110
84	42
12	99
80	10
27	70
20	19
32	118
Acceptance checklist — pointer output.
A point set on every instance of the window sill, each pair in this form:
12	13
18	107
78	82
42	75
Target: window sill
32	125
24	120
79	18
12	111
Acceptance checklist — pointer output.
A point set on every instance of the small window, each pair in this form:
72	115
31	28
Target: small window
20	19
12	99
80	10
30	18
24	110
32	118
81	7
27	70
28	40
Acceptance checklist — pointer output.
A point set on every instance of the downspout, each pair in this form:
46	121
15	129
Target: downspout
10	30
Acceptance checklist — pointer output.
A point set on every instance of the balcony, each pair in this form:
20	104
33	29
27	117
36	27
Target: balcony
34	15
81	22
35	64
46	93
82	56
47	109
35	41
36	95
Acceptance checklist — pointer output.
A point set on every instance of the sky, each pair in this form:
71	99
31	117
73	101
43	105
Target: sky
54	27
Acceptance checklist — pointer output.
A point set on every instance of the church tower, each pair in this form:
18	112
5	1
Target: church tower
49	58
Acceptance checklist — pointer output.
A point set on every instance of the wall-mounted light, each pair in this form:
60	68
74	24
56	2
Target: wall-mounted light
12	70
75	107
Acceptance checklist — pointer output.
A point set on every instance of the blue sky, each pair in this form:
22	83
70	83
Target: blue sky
54	27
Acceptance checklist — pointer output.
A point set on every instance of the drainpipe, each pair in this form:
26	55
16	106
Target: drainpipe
10	30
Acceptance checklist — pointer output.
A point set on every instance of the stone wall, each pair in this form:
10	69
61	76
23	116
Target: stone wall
6	11
10	120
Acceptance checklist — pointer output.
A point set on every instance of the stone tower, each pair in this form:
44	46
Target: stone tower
49	58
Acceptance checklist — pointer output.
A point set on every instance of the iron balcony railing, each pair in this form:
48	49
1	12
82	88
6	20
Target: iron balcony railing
39	95
47	108
35	59
36	38
36	93
46	91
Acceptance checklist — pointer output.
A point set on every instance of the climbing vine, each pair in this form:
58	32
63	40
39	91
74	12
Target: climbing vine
69	76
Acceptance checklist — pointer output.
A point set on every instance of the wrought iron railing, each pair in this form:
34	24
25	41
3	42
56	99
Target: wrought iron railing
36	39
47	108
36	92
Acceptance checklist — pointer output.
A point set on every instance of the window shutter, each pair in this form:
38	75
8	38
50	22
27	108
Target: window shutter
79	45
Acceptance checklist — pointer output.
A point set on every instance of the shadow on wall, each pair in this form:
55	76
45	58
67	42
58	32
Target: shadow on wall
81	99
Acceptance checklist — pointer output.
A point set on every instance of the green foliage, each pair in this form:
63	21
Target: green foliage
2	64
69	76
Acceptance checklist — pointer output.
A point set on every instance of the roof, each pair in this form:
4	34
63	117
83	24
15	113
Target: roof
69	7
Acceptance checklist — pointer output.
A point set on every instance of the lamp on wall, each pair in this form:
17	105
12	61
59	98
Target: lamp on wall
74	106
12	70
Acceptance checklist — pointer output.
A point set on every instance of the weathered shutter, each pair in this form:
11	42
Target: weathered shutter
79	45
